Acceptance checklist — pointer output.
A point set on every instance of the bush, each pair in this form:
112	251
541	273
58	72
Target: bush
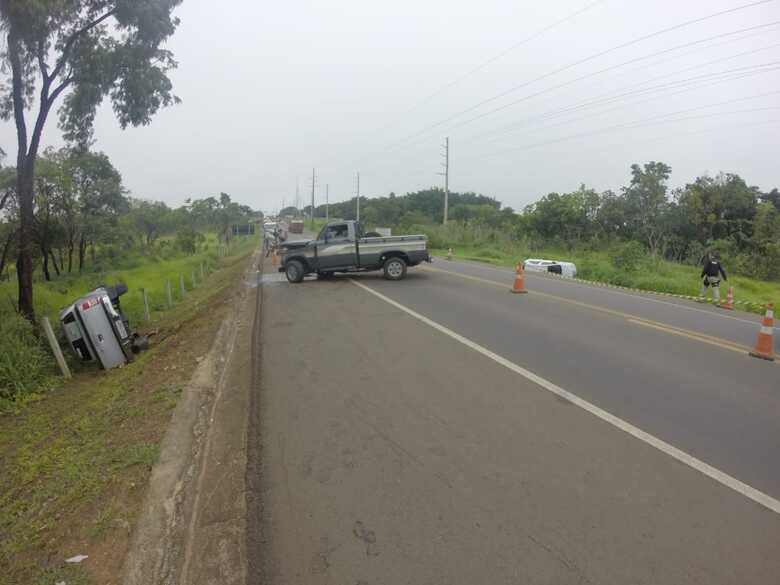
488	253
187	240
629	257
24	363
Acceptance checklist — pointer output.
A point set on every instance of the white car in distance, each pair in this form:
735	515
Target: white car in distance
565	269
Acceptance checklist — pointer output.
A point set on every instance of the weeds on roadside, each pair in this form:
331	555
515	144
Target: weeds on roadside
24	363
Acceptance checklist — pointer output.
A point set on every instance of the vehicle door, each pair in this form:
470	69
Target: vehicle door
336	249
369	249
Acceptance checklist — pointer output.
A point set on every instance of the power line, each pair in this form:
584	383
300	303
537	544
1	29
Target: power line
591	58
629	125
491	60
589	75
503	54
761	30
688	84
719	128
613	95
405	144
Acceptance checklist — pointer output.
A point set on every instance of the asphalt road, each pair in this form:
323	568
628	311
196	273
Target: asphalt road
739	327
701	394
391	452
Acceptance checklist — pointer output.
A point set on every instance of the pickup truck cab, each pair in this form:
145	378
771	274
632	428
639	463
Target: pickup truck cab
341	246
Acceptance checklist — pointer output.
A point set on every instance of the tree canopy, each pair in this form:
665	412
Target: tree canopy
82	51
712	212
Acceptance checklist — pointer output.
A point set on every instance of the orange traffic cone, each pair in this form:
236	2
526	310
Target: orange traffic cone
763	347
519	284
729	300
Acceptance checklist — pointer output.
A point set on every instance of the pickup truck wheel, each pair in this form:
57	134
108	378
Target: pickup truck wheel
395	268
294	271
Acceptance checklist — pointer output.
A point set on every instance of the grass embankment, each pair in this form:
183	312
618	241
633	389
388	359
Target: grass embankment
74	463
25	362
137	269
652	275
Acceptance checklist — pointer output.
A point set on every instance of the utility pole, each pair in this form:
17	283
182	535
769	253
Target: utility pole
311	210
297	194
446	174
358	197
327	217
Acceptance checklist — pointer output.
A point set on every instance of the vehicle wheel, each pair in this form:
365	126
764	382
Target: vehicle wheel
395	268
294	272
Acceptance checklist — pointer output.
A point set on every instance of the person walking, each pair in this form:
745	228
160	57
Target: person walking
711	272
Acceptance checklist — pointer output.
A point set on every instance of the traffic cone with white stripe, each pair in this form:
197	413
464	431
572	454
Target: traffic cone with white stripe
763	347
519	285
729	305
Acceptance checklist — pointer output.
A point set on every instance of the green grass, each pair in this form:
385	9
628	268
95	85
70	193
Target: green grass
61	455
653	275
150	272
25	363
168	395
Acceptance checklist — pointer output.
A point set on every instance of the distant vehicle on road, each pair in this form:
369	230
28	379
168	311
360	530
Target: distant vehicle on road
274	231
296	226
565	269
342	247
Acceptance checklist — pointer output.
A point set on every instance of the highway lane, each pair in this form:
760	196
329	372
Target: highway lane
712	401
739	327
391	453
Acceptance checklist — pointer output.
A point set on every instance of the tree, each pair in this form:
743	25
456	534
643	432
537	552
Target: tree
292	211
647	202
97	196
81	51
148	218
569	217
772	197
188	240
51	190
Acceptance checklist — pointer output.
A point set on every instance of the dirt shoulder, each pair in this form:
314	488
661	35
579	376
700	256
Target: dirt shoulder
74	467
193	521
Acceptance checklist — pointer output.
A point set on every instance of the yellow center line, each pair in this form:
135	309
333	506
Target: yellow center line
696	336
704	338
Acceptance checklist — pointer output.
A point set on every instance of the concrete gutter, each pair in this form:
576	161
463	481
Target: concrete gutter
192	525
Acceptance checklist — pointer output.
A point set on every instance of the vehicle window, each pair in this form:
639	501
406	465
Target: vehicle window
335	232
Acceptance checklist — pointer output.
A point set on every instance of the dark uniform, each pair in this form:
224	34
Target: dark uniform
710	275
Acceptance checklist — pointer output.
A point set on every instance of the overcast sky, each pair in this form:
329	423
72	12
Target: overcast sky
272	89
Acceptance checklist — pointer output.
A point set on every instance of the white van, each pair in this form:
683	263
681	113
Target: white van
565	269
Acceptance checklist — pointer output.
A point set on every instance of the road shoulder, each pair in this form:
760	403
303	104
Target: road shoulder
193	523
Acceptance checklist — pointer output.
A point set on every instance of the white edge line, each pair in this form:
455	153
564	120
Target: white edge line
708	470
641	296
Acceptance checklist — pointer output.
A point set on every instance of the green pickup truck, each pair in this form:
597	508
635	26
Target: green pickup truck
342	246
